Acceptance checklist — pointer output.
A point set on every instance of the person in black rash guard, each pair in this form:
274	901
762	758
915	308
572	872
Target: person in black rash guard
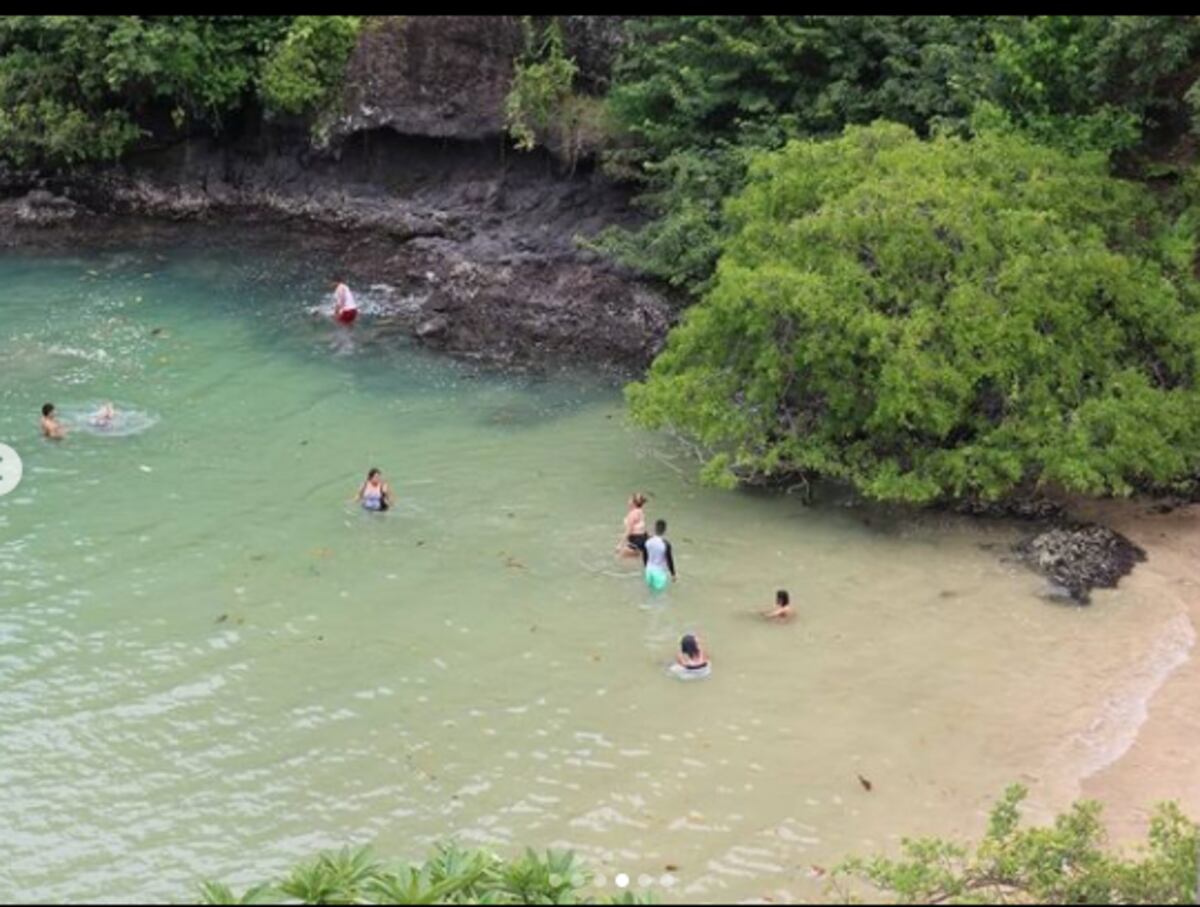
658	558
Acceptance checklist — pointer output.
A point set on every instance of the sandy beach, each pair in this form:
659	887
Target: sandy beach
1162	762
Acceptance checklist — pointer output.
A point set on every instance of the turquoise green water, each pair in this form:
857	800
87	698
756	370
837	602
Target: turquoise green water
211	663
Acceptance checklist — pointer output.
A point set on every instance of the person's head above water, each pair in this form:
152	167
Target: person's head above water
782	598
372	473
689	646
660	526
47	409
637	499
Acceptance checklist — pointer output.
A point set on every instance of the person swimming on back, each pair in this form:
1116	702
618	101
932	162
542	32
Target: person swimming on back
345	310
691	655
657	558
103	417
375	494
51	427
633	540
782	609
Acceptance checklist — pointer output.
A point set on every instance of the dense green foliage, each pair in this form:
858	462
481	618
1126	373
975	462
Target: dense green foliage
79	88
1065	863
542	78
697	95
944	318
542	106
307	64
450	876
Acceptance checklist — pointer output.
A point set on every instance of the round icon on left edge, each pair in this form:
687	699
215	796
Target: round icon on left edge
10	469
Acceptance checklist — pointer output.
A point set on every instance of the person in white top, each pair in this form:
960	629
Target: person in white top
345	310
658	559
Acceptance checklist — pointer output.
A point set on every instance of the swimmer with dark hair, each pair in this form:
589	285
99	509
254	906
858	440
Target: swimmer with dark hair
51	427
691	661
375	494
782	609
658	559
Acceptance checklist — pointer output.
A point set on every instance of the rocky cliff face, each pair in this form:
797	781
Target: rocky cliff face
420	183
440	76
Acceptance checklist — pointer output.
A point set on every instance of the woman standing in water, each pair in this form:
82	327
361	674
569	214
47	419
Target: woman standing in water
633	540
375	493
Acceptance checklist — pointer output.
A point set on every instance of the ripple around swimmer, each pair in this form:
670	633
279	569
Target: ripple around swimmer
125	422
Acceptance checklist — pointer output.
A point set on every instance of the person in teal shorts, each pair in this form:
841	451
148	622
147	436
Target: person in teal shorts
658	560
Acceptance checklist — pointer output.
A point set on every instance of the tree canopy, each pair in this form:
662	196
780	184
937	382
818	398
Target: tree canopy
940	319
698	96
82	88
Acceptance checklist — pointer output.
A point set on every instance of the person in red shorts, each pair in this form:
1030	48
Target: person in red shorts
344	308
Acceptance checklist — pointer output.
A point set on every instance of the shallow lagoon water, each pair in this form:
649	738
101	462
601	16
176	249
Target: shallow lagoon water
212	664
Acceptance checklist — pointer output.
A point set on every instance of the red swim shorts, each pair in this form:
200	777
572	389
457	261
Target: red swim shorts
346	316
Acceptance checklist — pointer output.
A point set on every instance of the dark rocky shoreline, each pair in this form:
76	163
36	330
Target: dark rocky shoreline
479	244
413	183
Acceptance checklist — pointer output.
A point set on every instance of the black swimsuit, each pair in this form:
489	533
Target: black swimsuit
637	541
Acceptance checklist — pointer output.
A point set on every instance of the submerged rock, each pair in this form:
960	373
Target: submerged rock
1079	558
1056	592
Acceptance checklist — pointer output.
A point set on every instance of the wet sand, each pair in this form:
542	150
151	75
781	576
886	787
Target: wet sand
1163	762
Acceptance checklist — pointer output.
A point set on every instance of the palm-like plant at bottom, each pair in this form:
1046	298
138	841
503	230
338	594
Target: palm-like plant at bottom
452	875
